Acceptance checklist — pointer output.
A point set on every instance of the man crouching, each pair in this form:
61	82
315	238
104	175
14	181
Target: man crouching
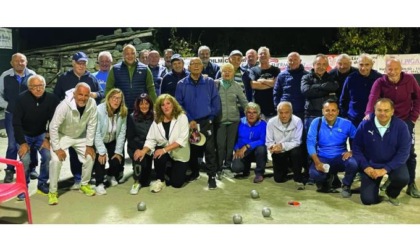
73	125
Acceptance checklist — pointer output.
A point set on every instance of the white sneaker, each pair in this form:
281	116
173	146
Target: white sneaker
157	186
113	181
75	186
135	189
100	189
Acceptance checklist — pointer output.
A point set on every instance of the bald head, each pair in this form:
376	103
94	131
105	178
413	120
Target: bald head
393	70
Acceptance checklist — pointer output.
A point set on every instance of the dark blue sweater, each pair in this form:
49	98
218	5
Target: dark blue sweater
355	95
390	151
170	81
211	70
69	80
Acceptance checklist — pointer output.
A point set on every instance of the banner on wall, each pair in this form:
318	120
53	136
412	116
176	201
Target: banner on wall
410	62
6	38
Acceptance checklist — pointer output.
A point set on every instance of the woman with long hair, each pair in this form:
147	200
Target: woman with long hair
168	141
139	123
110	138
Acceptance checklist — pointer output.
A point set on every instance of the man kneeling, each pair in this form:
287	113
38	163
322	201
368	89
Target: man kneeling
382	146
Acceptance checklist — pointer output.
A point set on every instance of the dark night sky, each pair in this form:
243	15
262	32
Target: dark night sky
220	40
32	38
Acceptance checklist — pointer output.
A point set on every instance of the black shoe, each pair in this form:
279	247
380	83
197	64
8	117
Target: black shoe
321	187
413	191
33	175
8	178
212	183
193	177
242	175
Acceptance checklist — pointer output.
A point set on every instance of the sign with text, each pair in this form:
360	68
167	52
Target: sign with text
410	62
6	38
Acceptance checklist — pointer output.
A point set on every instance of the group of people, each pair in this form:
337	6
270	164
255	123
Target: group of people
314	124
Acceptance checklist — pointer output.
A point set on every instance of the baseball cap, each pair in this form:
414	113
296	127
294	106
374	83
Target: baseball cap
176	57
197	138
80	56
236	52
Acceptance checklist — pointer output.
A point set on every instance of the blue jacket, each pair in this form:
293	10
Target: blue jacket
69	80
158	72
355	95
10	88
211	70
170	81
252	135
287	88
199	100
390	151
101	76
332	141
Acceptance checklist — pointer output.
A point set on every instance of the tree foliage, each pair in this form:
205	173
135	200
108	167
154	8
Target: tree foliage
184	47
372	40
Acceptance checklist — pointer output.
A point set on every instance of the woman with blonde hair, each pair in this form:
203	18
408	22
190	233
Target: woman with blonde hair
168	141
110	138
232	98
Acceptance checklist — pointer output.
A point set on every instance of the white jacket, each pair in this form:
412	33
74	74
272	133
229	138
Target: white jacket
179	131
290	137
67	122
102	129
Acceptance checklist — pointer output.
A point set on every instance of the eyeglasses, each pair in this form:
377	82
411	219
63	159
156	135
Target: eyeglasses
116	98
103	63
252	113
33	87
195	64
81	63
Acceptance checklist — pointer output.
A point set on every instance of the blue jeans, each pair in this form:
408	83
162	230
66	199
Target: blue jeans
36	143
337	164
12	146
